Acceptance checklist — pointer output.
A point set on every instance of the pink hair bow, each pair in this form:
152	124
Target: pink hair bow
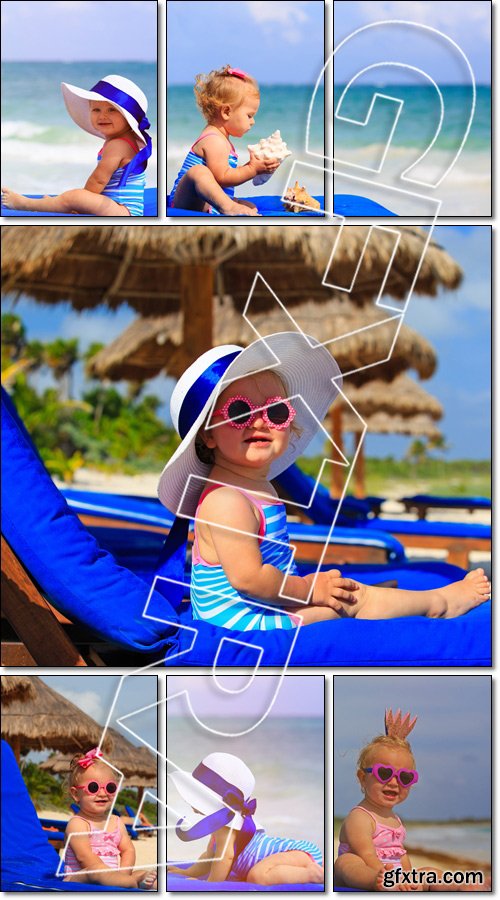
89	758
238	73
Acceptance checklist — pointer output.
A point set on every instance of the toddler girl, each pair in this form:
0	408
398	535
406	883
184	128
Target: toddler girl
219	791
229	100
99	849
114	109
236	439
372	836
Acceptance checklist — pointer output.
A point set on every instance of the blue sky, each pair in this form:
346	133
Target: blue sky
94	694
468	24
297	696
76	30
450	742
279	42
458	325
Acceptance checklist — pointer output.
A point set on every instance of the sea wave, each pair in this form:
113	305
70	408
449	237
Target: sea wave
20	130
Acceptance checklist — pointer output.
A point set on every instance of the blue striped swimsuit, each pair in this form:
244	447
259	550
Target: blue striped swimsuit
192	159
214	599
130	194
262	846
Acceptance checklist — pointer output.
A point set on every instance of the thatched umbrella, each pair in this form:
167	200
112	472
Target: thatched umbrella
48	721
16	687
151	345
404	398
138	764
162	269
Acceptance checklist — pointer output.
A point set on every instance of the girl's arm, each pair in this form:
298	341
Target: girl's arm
224	847
126	847
111	159
234	529
406	863
215	153
358	833
201	867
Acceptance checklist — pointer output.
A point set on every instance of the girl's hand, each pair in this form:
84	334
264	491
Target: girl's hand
260	166
334	591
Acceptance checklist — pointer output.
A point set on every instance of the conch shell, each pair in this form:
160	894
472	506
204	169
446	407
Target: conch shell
296	195
272	147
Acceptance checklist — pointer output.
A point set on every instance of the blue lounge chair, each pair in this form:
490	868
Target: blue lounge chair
456	538
28	861
150	208
421	503
60	559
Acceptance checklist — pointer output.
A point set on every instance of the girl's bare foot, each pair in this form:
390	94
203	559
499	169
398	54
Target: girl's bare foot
382	885
461	596
15	201
147	881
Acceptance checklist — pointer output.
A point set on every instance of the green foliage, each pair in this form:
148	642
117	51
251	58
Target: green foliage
45	790
105	429
447	478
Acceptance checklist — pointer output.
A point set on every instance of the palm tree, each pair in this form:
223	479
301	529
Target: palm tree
60	356
417	452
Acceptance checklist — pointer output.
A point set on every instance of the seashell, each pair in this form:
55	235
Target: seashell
299	195
272	147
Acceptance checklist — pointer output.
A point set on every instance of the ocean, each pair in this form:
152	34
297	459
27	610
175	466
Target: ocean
470	840
286	756
467	188
283	107
43	150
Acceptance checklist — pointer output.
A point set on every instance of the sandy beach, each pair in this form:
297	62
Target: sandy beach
146	850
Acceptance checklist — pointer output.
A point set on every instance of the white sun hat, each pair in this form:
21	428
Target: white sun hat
218	775
308	371
121	92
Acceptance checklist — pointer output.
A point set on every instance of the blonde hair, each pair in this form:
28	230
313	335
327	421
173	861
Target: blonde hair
220	88
76	771
383	740
206	454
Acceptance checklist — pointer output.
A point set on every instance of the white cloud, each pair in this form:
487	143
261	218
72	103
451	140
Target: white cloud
288	16
446	16
88	701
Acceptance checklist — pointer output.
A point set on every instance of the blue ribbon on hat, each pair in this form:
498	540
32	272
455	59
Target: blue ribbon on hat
121	98
172	560
234	798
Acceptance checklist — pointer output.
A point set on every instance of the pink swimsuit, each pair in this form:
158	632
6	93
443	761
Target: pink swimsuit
388	842
105	845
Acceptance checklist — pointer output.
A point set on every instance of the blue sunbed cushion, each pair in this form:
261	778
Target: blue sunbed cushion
350	205
80	579
150	207
177	882
267	206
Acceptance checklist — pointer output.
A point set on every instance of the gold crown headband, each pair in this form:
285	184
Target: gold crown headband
398	726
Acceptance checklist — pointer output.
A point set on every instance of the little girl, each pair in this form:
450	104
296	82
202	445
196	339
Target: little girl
372	836
236	439
219	791
114	109
99	850
229	100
